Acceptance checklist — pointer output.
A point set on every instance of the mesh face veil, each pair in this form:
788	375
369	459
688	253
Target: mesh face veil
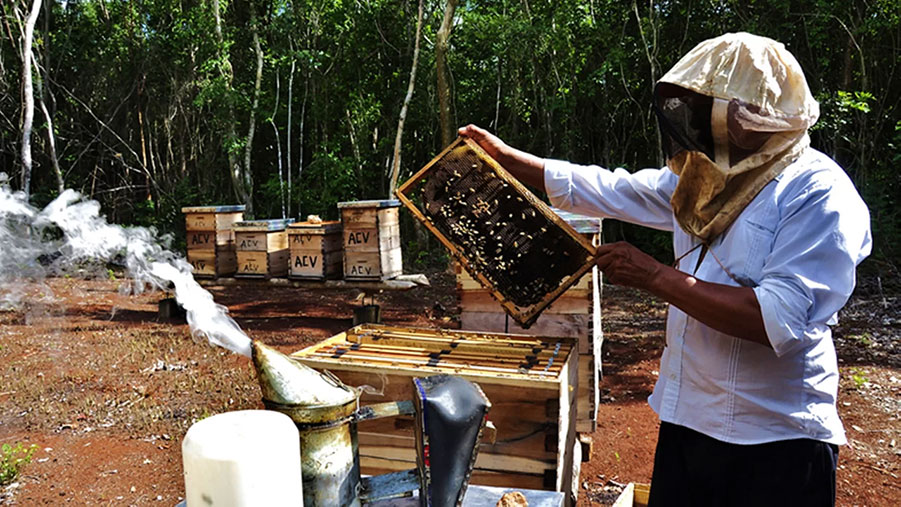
684	120
733	113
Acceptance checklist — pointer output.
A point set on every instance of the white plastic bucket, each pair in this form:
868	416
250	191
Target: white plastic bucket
243	458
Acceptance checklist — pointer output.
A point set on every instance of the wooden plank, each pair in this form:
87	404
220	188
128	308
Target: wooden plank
362	266
259	241
597	331
574	301
227	221
587	444
302	240
391	261
378	466
211	220
467	282
207	240
566	426
484	461
489	343
362	217
277	241
262	264
200	221
250	241
314	265
371	239
221	261
203	262
544	360
587	407
462	349
315	228
569	325
364	285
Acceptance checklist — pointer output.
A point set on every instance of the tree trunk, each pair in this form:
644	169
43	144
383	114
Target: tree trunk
251	124
51	142
278	146
651	55
28	96
235	170
288	133
395	164
441	44
356	149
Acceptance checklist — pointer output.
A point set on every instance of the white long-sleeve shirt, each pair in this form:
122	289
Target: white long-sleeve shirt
797	244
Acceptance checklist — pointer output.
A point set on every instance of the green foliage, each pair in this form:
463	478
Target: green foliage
12	459
859	377
148	105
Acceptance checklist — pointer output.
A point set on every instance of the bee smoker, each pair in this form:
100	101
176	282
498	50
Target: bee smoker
450	414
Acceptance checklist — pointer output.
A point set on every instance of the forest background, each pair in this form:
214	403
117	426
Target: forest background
289	107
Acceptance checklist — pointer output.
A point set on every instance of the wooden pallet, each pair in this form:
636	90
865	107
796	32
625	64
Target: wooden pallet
262	248
575	314
316	251
504	236
529	380
371	235
210	239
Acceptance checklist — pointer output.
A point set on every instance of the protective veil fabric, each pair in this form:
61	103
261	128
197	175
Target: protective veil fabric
760	112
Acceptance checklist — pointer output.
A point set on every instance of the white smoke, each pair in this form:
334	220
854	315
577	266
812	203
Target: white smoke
71	232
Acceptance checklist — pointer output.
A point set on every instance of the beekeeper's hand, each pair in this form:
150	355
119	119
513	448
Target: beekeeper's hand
624	264
524	166
729	309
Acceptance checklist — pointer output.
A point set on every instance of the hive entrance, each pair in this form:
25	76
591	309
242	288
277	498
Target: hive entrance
505	237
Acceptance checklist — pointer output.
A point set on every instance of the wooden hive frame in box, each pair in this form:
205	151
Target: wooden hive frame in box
531	382
506	238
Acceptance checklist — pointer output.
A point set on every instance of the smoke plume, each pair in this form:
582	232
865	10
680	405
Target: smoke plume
70	233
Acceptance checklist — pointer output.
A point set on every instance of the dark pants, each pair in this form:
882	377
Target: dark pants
695	470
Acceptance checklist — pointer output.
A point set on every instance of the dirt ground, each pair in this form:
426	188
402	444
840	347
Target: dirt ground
106	389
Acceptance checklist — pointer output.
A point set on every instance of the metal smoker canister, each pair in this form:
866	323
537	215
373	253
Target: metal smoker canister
328	432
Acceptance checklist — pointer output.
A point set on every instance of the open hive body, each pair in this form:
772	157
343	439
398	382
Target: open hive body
575	314
315	250
507	239
371	234
262	248
210	236
530	381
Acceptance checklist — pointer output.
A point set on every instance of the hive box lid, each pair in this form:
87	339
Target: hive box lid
234	208
270	225
583	224
385	203
316	227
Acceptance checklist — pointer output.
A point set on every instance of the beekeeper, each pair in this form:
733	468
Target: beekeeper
767	233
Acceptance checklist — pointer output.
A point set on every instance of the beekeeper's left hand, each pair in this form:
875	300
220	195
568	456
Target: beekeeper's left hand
624	264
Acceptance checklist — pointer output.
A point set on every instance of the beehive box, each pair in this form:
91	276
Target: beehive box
371	240
262	248
504	236
315	250
529	380
210	239
575	314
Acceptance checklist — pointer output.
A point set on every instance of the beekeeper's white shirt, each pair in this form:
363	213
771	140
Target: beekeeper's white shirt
797	244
